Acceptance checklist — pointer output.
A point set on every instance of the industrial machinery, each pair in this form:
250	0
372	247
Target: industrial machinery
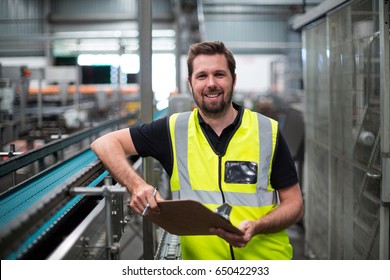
59	212
347	130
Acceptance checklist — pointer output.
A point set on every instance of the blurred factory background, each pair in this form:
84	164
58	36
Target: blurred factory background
73	70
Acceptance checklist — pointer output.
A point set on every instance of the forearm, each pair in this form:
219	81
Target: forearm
124	173
285	215
115	160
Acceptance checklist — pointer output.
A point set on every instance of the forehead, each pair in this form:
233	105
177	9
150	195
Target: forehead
208	63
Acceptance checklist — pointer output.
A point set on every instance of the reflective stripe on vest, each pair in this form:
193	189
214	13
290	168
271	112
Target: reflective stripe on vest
264	196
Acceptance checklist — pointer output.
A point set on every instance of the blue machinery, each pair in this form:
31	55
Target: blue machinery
49	215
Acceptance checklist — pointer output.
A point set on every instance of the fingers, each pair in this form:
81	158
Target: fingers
239	241
137	203
145	198
233	239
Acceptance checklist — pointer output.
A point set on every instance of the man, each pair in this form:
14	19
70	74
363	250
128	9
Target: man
219	152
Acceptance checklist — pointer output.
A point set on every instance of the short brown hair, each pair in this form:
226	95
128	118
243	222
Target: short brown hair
210	48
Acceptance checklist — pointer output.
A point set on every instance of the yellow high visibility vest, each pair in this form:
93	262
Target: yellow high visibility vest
241	177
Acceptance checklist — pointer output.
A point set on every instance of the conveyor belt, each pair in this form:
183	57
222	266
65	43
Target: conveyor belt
169	247
19	204
17	201
41	211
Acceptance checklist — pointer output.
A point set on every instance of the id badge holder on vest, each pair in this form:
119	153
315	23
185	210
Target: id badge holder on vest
241	172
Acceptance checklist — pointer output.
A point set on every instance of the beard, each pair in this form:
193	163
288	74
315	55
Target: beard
214	109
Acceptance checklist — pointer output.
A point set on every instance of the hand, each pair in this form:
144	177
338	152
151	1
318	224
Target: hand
239	241
143	196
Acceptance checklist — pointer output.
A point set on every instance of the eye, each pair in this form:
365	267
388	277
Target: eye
220	74
200	76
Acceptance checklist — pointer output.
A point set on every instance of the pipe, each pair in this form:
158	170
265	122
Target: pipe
384	230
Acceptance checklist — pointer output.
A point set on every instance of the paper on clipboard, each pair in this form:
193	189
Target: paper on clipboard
188	217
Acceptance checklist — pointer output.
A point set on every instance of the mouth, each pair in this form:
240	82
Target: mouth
213	94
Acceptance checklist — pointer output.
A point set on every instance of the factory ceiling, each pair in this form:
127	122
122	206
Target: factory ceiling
72	27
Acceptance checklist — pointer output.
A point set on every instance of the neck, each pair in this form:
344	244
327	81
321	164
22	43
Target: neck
218	123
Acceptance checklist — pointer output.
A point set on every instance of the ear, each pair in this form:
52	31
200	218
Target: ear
234	80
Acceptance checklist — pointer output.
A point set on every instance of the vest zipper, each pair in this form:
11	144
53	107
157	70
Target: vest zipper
220	178
223	196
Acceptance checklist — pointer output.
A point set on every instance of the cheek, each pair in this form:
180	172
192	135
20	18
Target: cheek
197	87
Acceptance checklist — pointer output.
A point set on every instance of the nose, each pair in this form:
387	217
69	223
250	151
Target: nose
211	81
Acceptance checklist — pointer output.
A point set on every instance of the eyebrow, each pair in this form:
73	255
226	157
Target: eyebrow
214	72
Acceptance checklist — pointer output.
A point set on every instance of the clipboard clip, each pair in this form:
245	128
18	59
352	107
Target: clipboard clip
224	211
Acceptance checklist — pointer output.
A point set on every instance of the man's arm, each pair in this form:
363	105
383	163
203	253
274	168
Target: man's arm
288	212
113	149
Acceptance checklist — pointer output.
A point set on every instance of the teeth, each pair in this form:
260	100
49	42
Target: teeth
212	95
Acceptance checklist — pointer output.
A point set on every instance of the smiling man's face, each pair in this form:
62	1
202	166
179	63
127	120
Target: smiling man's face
211	84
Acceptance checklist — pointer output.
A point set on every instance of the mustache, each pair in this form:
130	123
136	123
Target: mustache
212	91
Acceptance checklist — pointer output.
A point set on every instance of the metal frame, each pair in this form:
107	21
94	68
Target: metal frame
385	129
145	31
113	248
107	192
344	240
31	156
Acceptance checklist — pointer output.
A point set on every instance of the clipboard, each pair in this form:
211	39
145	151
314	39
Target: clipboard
188	217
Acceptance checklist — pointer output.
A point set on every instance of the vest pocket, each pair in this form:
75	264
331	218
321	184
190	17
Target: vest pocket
240	172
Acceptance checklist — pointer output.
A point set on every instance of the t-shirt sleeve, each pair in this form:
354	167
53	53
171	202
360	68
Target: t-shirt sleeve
284	173
152	140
